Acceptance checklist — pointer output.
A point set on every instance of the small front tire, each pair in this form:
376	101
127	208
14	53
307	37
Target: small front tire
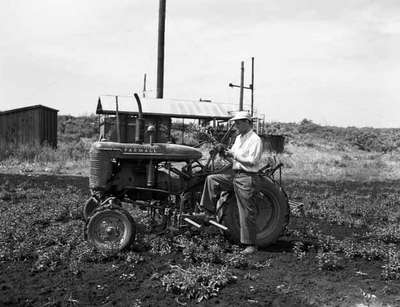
111	230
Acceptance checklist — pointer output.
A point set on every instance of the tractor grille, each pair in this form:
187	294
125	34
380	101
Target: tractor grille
100	169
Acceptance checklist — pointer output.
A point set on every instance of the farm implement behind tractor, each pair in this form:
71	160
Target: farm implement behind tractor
168	179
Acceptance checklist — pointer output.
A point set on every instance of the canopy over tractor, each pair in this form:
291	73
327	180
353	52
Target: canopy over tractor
118	116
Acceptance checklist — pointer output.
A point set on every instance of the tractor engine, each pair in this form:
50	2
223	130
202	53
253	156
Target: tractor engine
138	169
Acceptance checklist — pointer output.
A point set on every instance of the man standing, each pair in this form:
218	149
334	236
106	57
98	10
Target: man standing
245	155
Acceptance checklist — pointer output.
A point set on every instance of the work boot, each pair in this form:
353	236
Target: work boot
250	249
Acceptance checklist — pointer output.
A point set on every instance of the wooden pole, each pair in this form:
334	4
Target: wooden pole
160	53
117	119
241	86
144	86
183	130
252	86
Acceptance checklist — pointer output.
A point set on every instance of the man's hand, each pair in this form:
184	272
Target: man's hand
220	148
229	153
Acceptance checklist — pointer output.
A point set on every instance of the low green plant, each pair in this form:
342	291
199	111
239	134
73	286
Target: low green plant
161	246
387	233
391	268
197	282
329	261
203	248
299	250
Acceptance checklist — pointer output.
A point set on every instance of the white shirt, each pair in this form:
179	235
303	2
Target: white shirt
247	148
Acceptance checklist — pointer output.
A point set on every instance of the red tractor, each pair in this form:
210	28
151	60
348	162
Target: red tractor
167	178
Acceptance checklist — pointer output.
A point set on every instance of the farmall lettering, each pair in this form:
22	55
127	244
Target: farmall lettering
142	149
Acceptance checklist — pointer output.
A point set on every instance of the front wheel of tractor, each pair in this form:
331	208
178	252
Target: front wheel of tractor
111	230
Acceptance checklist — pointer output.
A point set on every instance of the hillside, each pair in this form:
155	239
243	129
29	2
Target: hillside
310	134
72	128
306	133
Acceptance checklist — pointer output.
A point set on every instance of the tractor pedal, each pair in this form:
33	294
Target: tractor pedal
201	218
190	221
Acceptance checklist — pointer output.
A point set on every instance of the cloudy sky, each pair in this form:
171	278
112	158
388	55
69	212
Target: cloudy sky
334	62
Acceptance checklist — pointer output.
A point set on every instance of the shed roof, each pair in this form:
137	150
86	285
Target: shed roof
164	107
23	109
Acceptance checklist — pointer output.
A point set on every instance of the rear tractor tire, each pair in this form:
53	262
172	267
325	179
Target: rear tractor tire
111	230
272	214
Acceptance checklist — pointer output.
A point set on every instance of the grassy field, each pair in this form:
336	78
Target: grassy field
332	164
311	151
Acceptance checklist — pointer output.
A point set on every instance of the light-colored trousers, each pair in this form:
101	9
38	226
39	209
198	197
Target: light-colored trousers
245	186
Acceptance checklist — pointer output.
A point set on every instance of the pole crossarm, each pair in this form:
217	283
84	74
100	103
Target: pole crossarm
250	87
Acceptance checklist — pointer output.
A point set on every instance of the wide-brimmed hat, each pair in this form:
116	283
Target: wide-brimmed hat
241	115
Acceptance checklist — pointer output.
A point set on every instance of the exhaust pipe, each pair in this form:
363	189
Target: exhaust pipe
139	133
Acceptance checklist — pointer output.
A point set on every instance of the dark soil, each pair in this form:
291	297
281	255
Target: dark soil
287	280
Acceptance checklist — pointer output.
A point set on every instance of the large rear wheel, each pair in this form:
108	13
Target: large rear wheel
111	230
272	214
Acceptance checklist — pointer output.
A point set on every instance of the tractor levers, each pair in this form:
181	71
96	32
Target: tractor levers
200	220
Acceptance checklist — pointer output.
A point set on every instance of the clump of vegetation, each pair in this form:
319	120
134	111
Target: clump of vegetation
329	261
299	250
388	233
161	246
199	249
197	282
391	268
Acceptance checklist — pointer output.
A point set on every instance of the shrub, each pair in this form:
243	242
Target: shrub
391	269
197	249
197	282
299	250
160	246
388	233
329	261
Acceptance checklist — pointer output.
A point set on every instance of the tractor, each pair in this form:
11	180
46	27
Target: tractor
168	179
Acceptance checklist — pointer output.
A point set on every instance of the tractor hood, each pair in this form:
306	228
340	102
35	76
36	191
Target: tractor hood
156	151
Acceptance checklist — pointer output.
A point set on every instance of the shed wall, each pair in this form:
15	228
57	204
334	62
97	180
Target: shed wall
30	126
48	127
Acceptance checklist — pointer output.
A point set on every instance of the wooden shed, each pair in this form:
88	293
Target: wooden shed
29	125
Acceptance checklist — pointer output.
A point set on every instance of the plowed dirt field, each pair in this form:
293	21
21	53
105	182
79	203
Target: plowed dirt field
342	250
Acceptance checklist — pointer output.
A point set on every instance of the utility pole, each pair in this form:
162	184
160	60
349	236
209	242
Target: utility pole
252	86
160	53
117	119
242	87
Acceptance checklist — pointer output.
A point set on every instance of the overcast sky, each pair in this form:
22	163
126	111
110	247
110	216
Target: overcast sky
335	62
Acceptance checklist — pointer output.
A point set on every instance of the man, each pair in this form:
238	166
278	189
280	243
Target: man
245	155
